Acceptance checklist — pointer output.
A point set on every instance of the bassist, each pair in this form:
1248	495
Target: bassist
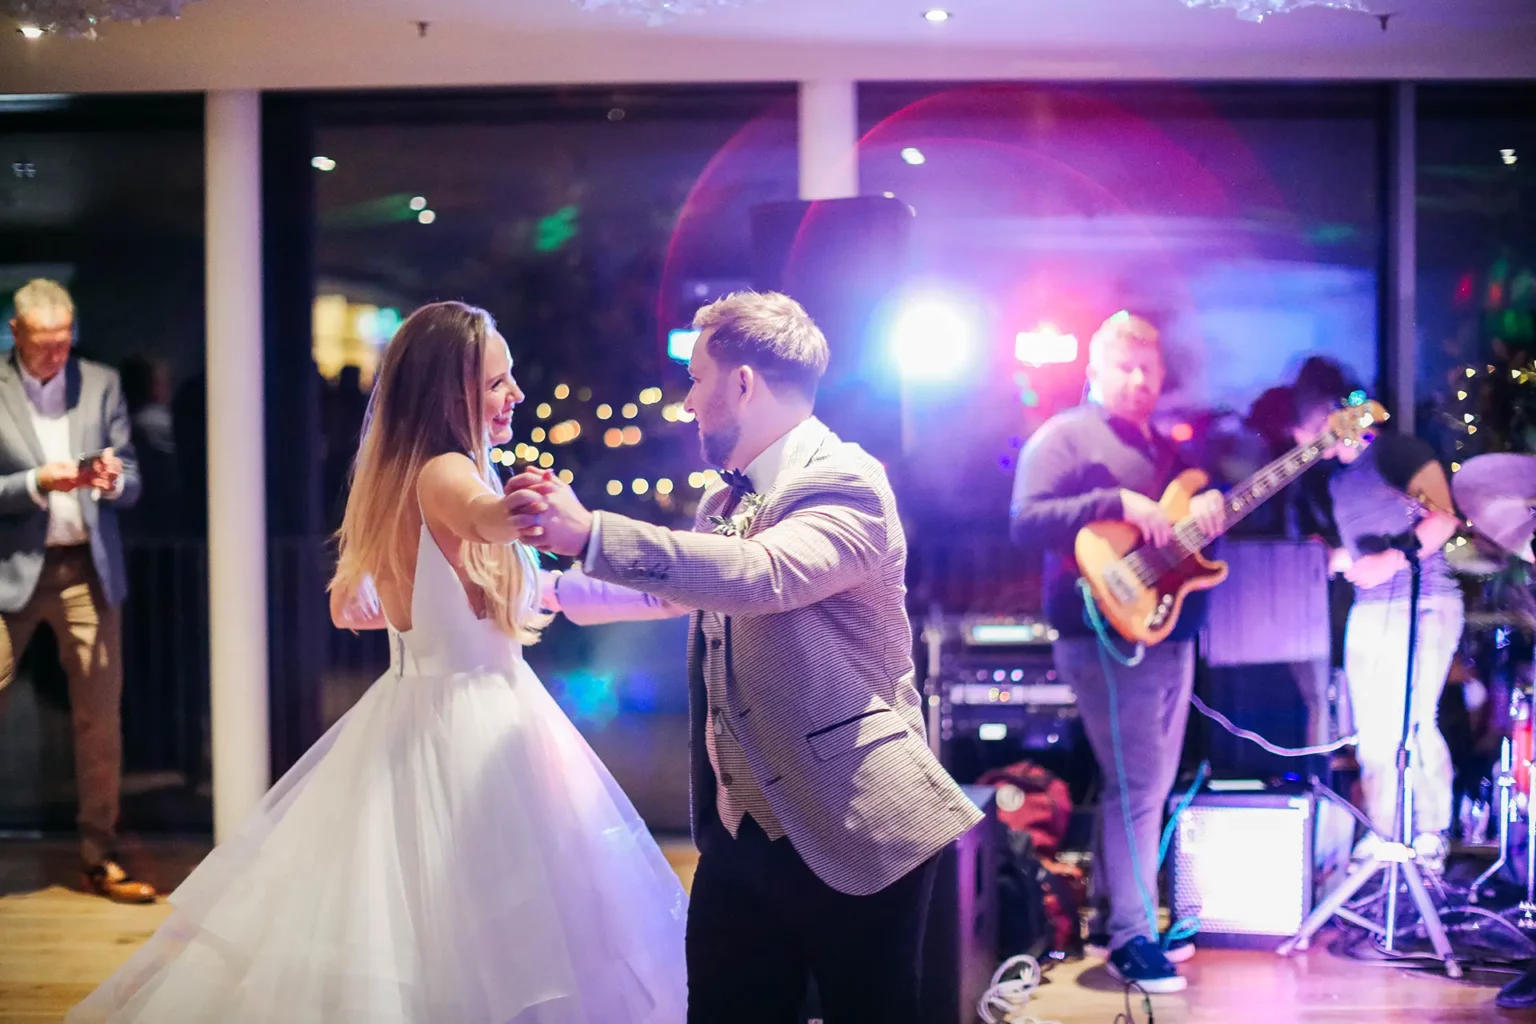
1102	460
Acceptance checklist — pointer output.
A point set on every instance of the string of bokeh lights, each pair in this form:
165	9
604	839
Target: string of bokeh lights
570	426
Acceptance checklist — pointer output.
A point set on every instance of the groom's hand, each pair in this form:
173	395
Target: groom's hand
566	524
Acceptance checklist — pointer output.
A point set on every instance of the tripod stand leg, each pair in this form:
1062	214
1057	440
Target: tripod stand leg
1329	907
1493	868
1431	918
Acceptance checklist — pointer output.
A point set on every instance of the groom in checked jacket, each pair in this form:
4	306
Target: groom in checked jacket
818	809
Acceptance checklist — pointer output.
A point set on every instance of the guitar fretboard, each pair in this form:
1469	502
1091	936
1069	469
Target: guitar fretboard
1148	563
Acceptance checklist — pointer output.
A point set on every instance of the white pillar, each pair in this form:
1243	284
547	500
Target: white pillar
829	139
237	521
1401	333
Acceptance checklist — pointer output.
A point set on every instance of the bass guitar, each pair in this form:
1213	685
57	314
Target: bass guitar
1140	589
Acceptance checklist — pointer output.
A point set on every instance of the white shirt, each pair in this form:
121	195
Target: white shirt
764	471
50	421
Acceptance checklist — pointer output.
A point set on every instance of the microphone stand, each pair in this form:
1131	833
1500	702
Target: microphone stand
1395	857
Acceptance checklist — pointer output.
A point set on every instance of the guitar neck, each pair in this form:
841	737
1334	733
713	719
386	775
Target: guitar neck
1255	491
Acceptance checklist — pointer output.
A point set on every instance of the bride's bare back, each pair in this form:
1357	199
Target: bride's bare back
457	506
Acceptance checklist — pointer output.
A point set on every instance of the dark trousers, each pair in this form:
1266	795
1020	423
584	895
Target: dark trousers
761	925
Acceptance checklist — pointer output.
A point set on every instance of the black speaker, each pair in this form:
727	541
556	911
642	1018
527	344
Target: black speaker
960	947
1273	607
845	261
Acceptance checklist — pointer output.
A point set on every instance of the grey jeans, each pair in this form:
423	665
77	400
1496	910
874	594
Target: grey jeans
1151	705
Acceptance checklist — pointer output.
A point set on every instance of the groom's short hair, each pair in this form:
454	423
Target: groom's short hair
768	331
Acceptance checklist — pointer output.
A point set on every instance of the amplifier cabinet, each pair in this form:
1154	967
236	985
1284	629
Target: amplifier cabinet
1246	864
1273	607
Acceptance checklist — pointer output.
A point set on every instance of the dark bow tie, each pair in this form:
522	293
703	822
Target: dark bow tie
737	481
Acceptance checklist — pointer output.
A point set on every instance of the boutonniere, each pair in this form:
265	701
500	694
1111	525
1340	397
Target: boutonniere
738	523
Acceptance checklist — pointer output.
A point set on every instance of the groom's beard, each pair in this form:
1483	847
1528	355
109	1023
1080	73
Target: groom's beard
718	445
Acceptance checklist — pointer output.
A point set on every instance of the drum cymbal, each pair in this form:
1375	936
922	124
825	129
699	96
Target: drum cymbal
1497	492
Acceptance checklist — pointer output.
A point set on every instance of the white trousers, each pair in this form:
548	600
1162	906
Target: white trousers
1376	663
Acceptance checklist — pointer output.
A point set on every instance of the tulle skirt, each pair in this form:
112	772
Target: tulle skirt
451	852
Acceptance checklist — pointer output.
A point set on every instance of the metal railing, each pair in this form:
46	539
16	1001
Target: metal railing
165	635
318	672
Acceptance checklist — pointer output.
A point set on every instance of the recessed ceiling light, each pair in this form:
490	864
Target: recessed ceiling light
323	163
913	156
426	216
30	31
936	15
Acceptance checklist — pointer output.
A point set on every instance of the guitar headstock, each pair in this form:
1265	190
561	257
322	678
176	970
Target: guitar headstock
1356	424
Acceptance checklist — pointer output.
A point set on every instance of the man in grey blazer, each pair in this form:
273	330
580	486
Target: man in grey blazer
66	467
818	808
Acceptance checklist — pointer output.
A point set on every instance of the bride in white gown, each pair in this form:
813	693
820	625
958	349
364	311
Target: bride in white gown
451	851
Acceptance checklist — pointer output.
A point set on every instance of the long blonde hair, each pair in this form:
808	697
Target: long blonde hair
427	401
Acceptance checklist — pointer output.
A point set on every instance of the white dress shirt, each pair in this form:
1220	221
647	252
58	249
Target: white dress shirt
50	421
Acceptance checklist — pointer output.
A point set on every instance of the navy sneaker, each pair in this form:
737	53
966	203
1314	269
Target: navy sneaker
1141	961
1519	994
1177	951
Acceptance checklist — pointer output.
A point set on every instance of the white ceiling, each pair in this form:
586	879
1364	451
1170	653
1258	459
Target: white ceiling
352	43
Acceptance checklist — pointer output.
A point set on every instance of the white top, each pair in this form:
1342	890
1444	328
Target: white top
50	421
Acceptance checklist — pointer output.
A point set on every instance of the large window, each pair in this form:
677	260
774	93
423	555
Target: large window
1243	221
591	223
1476	268
105	195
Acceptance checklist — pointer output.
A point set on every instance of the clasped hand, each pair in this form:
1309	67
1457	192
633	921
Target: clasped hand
543	511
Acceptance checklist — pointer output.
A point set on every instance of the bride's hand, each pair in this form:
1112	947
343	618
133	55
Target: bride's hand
511	517
566	525
539	481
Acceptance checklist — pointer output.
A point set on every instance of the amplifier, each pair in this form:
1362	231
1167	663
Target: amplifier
999	683
1273	607
1246	862
993	696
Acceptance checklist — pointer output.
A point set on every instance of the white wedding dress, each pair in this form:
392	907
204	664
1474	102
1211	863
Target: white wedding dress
450	852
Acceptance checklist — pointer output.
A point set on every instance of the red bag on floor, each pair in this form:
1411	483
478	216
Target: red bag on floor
1039	897
1032	800
1066	893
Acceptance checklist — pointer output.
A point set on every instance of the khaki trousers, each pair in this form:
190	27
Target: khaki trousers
89	631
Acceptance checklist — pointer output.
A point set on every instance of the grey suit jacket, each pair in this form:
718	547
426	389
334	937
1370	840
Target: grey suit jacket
98	418
820	687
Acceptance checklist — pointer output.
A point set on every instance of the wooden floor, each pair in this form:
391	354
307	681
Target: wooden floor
57	943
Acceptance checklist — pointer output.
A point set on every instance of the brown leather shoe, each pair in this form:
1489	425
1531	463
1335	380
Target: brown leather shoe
110	880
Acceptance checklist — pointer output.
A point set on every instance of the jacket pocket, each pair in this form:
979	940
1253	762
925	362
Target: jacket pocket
854	733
